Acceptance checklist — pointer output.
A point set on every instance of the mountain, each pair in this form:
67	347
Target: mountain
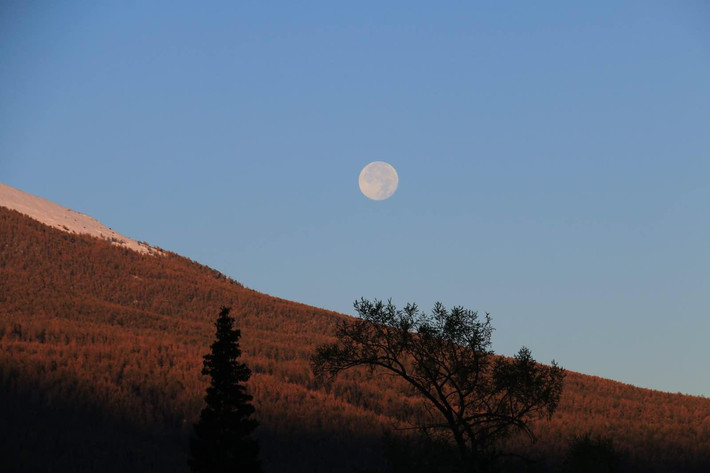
56	216
101	349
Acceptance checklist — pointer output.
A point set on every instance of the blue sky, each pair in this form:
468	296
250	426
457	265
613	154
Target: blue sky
553	157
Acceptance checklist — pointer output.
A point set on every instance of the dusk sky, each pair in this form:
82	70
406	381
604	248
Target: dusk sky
553	157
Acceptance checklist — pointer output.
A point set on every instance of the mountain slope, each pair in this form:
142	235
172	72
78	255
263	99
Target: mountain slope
101	347
62	218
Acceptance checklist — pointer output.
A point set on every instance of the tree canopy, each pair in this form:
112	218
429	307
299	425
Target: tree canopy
476	397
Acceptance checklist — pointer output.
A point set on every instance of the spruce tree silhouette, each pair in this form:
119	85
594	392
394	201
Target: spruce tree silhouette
222	441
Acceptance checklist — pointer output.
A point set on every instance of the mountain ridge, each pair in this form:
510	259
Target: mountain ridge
57	216
99	328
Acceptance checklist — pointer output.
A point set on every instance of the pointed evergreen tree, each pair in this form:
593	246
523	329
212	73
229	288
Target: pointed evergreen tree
222	441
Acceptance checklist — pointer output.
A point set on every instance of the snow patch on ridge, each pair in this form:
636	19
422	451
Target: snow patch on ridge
54	215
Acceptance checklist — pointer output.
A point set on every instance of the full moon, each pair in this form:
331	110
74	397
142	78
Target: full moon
378	180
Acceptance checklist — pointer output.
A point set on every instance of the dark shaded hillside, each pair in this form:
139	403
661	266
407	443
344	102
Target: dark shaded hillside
100	358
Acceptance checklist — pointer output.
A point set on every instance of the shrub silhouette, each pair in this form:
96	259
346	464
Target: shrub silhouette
589	454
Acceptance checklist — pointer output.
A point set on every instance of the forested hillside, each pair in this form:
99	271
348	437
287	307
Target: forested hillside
101	351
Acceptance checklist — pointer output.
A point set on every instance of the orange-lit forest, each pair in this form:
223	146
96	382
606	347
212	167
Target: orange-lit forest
101	351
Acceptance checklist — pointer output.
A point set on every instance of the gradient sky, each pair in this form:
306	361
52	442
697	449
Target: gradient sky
553	157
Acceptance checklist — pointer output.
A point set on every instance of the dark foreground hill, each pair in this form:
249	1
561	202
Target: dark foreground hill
101	350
